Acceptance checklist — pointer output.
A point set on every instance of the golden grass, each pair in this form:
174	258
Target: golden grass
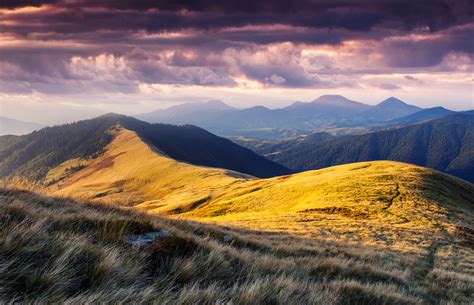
130	172
366	233
61	172
55	250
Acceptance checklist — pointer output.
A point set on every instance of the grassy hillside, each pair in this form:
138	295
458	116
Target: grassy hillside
58	250
378	203
131	172
374	203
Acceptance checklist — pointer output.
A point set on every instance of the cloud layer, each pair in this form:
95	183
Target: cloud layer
81	47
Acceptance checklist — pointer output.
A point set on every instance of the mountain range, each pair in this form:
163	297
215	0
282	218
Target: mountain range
445	144
325	112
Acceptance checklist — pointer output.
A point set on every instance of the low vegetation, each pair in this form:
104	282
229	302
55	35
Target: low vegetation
59	250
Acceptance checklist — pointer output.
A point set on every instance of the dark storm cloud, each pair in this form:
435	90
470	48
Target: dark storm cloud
197	36
11	4
357	15
429	51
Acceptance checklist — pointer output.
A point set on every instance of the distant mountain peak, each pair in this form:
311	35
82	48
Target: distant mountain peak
257	108
338	101
211	105
394	102
438	108
391	108
327	104
330	98
111	115
296	104
218	104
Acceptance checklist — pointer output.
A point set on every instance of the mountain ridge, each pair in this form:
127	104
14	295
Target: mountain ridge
32	155
391	108
323	113
422	115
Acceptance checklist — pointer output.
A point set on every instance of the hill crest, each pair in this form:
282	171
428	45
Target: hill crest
34	154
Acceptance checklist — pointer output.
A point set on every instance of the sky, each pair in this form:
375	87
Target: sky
65	58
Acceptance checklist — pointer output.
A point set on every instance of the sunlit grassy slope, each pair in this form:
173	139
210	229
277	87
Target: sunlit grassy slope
131	172
55	250
382	203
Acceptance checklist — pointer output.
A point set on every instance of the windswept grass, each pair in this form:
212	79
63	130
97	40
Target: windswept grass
59	250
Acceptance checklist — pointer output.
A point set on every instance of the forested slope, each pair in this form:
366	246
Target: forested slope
445	144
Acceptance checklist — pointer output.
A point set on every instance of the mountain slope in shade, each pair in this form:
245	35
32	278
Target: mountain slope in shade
15	127
35	154
445	144
390	108
421	116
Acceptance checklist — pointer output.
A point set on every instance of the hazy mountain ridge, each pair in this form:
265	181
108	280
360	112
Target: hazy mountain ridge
183	112
389	109
327	111
421	116
16	127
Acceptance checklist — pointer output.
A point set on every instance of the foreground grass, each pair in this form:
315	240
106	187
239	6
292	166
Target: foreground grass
59	250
